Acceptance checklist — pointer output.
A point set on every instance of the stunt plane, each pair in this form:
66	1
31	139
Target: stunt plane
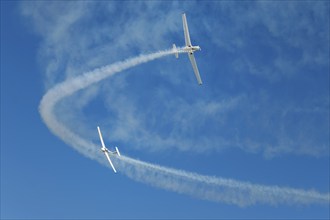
189	49
106	151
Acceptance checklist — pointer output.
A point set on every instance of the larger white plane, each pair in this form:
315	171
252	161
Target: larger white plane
106	151
189	48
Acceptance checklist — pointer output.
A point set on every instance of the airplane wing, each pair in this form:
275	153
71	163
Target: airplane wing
194	65
100	134
108	157
186	31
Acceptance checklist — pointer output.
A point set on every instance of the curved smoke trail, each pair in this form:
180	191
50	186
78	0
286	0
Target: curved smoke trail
70	86
193	184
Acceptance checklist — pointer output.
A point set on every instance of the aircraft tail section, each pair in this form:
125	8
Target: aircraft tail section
117	151
176	51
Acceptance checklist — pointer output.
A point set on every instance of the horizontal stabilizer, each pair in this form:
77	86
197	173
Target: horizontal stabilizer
176	51
117	151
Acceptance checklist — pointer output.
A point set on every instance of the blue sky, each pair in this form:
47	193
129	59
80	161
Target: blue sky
261	116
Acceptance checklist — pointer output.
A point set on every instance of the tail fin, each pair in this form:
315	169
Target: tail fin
117	151
176	51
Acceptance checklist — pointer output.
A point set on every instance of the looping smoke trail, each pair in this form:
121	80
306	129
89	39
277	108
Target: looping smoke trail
70	86
193	184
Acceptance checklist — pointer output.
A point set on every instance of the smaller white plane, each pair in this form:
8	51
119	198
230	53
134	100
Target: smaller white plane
189	49
106	151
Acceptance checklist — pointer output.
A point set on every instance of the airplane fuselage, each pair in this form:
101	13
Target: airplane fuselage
191	49
104	150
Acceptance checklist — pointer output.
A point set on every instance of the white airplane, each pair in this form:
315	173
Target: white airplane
189	49
106	151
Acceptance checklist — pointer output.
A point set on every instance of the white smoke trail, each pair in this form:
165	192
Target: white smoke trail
193	184
216	188
70	86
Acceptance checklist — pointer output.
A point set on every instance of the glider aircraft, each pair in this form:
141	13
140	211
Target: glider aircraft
189	49
106	151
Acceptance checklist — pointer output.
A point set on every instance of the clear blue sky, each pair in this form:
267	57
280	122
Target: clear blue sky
261	116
